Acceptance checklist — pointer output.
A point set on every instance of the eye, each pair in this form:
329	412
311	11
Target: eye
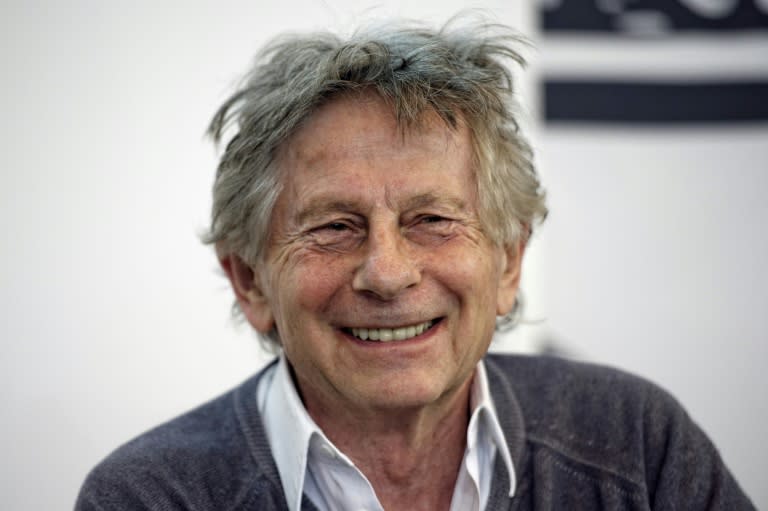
335	226
430	228
341	234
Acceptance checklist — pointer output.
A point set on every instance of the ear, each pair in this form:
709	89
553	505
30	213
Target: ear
248	291
509	280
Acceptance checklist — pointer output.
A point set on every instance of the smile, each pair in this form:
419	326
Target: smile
391	334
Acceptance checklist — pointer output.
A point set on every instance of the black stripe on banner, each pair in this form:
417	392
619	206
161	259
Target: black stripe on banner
669	15
609	101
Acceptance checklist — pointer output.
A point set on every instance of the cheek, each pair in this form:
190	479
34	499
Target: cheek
308	284
473	277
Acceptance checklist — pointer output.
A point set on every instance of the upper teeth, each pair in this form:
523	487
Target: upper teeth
390	334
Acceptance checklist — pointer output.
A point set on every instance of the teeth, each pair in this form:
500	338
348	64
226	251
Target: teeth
391	334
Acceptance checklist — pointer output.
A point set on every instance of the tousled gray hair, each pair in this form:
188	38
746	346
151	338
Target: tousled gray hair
458	72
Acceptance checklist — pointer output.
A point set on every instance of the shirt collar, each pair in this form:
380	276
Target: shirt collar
483	410
290	430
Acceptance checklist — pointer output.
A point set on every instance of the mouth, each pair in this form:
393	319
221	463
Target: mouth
391	334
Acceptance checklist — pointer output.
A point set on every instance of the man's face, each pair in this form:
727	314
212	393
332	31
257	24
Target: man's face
376	235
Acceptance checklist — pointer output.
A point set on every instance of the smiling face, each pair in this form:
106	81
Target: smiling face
379	277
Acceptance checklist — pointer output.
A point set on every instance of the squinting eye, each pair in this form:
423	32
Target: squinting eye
340	235
336	226
432	219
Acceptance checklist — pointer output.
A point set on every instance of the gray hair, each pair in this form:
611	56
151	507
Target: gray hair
457	72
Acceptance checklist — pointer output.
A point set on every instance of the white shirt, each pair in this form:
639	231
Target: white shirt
308	462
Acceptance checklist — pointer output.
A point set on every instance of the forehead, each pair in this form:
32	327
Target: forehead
357	122
356	139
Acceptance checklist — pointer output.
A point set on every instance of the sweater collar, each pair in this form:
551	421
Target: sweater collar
510	413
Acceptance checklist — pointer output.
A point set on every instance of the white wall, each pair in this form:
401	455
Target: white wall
653	260
115	317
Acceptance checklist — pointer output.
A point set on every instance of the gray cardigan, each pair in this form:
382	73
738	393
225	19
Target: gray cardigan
581	437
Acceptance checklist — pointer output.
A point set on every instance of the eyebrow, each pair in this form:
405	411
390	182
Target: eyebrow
320	206
430	199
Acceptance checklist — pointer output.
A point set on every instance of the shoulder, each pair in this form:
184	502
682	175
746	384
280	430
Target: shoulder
627	436
597	415
212	457
571	391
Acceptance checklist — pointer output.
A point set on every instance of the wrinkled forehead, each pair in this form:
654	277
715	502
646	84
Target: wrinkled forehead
355	123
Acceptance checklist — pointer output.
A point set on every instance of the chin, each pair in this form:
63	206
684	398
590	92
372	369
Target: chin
407	391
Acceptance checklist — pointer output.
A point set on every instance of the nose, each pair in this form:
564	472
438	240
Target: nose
388	266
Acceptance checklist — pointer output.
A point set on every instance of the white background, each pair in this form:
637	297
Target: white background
115	318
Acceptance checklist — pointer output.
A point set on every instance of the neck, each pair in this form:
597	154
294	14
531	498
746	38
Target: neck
411	457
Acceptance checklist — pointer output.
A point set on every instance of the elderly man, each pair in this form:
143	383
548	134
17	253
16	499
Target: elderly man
371	212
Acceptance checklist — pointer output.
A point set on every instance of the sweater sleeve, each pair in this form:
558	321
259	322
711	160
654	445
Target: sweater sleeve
683	468
128	482
112	486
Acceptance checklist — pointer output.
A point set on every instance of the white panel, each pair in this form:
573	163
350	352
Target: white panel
653	260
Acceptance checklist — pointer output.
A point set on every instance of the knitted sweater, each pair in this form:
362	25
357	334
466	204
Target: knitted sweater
581	437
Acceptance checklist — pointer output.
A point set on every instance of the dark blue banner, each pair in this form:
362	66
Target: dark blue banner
626	102
620	16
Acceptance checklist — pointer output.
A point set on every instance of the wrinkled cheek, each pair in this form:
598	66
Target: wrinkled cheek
478	285
306	292
318	286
